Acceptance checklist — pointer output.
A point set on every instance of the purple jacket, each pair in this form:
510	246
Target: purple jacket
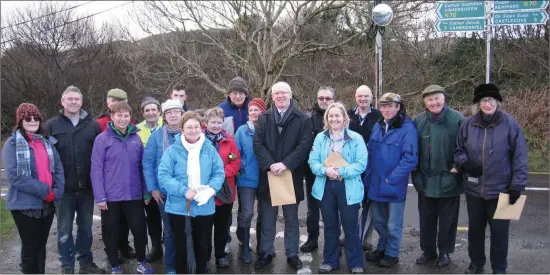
116	172
500	149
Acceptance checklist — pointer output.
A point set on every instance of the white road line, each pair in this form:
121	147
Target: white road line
307	258
96	218
3	194
233	229
526	188
303	239
304	270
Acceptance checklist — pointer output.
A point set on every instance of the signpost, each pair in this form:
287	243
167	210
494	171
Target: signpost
463	16
521	18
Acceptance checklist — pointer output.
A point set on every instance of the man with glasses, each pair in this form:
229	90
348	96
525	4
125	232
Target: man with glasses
75	131
363	117
325	97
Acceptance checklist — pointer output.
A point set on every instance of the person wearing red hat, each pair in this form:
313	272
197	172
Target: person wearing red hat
247	181
36	185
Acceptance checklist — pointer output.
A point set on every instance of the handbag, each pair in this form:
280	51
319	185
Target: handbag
225	194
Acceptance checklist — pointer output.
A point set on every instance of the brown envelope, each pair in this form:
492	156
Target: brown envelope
281	188
335	160
507	211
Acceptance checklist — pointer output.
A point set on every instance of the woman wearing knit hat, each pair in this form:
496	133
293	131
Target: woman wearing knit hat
36	185
247	181
492	154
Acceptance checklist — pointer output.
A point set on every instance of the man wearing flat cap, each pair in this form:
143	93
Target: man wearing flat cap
436	178
113	96
393	154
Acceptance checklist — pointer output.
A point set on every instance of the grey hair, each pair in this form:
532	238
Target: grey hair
71	89
475	108
327	88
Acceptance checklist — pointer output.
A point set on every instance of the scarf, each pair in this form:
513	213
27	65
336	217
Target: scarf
250	125
193	161
487	119
129	129
215	138
282	120
23	153
168	136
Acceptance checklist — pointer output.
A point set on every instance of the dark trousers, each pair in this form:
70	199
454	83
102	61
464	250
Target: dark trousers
313	210
221	226
34	236
433	211
154	222
202	240
134	214
123	233
481	212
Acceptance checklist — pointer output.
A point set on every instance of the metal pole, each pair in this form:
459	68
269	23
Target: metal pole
488	36
378	64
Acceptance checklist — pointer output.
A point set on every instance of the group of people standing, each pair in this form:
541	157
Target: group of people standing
176	175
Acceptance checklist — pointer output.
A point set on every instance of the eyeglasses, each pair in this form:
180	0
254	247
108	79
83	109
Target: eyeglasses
488	100
324	98
31	118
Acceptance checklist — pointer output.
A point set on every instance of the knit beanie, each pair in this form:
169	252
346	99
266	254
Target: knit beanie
171	104
149	100
258	102
238	84
25	110
486	90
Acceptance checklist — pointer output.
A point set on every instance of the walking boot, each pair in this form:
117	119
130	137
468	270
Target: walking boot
310	245
245	256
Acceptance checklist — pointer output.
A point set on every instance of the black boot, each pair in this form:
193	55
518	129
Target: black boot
310	245
156	251
245	256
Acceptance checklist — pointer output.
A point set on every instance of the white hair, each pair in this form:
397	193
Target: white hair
282	85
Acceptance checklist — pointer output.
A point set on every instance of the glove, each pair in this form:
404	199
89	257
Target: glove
50	197
204	196
514	196
473	169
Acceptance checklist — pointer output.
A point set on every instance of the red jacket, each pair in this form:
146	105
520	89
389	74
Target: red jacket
104	119
231	168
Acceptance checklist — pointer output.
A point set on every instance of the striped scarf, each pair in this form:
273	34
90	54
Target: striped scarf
23	153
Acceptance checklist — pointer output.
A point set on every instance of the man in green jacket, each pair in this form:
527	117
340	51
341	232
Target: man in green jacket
436	178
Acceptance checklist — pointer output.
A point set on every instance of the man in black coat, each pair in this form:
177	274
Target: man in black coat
325	97
75	131
362	119
282	142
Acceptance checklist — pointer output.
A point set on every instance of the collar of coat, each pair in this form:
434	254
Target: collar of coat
83	113
478	121
395	122
346	135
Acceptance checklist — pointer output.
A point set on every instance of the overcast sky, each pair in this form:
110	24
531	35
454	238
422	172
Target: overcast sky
110	16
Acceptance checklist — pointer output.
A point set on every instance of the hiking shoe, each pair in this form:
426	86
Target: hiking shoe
426	257
310	245
91	268
116	270
474	269
388	261
357	270
68	270
325	268
144	268
443	260
374	256
222	262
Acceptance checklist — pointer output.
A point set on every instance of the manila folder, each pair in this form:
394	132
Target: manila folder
281	188
507	211
335	160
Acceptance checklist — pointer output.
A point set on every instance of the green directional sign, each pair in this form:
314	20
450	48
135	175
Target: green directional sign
460	9
519	5
520	18
460	25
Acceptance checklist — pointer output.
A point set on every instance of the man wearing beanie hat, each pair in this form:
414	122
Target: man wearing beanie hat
235	107
492	155
150	108
159	140
436	178
393	154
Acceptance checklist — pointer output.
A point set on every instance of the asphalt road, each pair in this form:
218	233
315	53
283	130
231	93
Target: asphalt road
529	249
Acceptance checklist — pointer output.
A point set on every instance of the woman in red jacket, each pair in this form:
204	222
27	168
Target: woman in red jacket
226	147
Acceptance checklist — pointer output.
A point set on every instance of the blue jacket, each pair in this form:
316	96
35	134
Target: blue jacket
151	159
28	192
392	157
356	155
250	171
499	149
233	115
172	176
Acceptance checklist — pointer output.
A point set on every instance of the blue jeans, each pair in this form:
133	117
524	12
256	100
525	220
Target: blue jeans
247	197
169	245
388	222
81	203
334	209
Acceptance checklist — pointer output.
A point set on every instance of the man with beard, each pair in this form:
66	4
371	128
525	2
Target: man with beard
362	120
325	97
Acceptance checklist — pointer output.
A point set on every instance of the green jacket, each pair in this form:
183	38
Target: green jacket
437	143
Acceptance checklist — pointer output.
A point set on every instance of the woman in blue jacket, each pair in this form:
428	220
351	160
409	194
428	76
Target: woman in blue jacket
172	111
339	189
191	171
247	180
36	185
393	154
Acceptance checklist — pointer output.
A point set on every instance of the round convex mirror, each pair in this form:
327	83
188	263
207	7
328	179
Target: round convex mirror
382	14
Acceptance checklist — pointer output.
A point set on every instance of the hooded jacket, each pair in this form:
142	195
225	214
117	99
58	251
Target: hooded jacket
235	117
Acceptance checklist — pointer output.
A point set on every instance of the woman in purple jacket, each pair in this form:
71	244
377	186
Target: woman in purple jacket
492	154
118	184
